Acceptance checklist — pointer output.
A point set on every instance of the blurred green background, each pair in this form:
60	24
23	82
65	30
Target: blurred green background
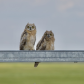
45	73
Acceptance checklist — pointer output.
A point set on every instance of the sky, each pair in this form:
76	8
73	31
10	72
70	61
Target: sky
64	17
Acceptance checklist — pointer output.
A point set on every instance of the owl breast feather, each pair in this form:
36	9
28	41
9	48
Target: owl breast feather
32	39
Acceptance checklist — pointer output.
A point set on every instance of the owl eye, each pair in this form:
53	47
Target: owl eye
27	26
50	34
32	26
46	34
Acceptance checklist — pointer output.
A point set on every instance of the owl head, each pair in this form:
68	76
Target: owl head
30	27
48	35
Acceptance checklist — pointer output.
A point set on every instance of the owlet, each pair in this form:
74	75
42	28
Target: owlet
46	43
28	37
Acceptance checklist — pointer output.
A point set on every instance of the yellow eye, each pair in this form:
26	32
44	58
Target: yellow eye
27	26
32	26
50	34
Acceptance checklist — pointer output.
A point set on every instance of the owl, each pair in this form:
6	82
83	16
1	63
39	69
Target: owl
28	37
46	43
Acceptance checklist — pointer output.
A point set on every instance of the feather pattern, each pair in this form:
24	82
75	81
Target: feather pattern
28	37
46	43
23	40
40	42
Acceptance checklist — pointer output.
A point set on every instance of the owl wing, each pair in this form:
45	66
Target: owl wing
41	44
23	40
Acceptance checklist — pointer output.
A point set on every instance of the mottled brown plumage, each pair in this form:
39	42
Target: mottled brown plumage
46	43
28	37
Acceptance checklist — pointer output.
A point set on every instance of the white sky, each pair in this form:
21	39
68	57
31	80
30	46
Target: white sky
64	17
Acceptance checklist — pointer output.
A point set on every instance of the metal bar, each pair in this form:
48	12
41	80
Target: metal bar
42	56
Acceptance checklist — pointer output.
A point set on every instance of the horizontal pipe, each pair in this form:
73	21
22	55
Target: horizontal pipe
42	56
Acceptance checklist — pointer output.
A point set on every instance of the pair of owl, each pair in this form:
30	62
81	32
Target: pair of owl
28	39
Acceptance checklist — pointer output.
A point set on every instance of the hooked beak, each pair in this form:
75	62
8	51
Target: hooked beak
30	28
48	35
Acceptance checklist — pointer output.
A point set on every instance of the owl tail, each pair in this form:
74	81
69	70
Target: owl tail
36	64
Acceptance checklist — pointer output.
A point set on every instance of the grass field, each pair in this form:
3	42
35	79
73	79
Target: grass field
45	73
